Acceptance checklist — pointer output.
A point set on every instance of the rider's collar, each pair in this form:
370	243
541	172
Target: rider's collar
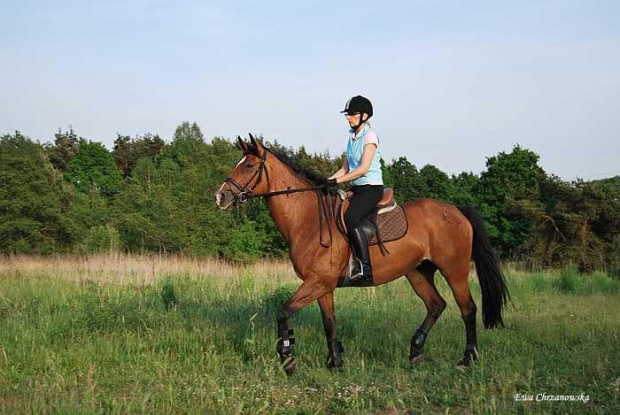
361	134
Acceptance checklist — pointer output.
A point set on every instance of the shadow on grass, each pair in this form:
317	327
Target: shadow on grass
247	327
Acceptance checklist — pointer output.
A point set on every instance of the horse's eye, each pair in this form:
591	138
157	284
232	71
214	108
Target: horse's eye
248	165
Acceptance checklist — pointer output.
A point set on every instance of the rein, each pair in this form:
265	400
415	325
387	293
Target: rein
245	194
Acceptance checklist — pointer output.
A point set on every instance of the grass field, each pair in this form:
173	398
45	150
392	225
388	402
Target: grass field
116	334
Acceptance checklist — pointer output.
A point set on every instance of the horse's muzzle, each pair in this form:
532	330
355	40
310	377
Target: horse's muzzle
223	199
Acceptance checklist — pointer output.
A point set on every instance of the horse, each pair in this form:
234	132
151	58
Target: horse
439	237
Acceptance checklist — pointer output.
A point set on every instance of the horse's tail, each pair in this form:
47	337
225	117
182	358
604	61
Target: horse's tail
492	281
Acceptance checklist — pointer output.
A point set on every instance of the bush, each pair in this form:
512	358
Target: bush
245	244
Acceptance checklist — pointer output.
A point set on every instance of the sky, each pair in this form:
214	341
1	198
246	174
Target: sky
452	82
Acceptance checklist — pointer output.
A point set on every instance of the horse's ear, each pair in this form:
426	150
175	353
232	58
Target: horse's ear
242	144
255	144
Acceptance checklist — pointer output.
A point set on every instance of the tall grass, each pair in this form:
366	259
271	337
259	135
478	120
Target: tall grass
172	335
144	269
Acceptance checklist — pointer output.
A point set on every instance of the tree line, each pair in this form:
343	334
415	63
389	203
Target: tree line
73	195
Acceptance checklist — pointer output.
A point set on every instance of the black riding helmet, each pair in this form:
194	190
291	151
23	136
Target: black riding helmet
358	104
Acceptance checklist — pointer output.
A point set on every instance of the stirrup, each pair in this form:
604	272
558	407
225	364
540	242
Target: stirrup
352	268
363	277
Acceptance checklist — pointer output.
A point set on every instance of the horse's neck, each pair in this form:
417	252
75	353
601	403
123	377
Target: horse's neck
296	214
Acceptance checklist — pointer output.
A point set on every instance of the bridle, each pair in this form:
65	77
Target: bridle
244	194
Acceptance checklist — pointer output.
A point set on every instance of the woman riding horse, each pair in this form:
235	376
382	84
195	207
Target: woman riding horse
362	167
439	237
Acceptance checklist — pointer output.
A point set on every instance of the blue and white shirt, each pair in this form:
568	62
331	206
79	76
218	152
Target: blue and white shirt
355	149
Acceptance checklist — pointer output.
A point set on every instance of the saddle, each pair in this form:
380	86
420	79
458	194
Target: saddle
386	223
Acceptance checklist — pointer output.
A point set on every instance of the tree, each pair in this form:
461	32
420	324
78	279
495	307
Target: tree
318	162
93	170
578	227
245	243
147	213
167	205
436	184
128	151
70	196
406	180
464	185
387	174
508	192
187	145
30	210
64	149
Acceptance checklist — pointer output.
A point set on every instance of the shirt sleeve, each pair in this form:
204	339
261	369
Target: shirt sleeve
371	138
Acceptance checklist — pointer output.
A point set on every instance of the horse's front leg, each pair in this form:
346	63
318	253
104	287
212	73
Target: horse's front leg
309	291
334	347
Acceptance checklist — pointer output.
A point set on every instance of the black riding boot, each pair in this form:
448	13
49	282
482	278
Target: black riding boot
361	272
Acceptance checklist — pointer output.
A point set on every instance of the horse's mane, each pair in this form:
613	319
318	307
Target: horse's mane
287	156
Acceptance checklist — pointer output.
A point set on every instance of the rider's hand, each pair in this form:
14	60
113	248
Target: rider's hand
327	183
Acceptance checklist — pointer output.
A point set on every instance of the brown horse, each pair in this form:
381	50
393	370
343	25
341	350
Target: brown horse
439	237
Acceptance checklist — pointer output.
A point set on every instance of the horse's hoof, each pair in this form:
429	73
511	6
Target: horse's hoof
334	355
471	355
333	363
289	365
415	361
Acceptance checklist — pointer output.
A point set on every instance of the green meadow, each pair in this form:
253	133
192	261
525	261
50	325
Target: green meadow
162	335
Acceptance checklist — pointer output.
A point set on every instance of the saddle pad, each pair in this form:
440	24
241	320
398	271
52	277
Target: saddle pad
392	226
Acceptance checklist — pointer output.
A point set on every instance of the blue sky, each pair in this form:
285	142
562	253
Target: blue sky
452	82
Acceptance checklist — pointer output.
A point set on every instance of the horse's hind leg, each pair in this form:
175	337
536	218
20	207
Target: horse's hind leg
422	279
457	279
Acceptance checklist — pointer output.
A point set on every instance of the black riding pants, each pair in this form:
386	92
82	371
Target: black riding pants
364	200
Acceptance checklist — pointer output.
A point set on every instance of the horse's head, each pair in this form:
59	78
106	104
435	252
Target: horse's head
249	177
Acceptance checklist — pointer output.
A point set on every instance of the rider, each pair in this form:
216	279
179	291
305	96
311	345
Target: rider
362	168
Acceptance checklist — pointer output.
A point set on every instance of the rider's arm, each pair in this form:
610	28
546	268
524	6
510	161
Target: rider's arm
367	155
343	170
